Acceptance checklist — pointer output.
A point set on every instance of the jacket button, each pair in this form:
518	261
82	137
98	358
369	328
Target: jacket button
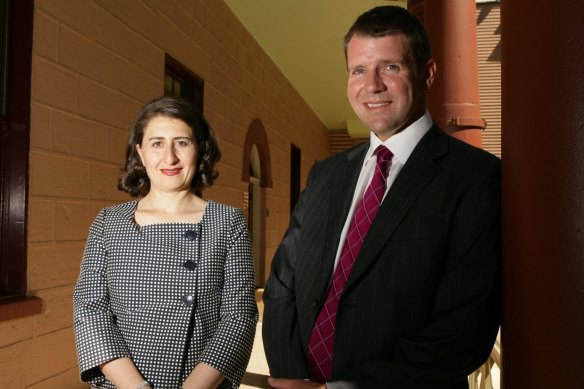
314	303
190	265
190	235
188	300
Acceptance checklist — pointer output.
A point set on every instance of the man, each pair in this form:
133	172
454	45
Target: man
388	276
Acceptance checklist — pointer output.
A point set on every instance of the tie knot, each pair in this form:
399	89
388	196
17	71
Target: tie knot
383	154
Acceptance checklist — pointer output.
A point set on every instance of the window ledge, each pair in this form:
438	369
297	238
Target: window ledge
20	306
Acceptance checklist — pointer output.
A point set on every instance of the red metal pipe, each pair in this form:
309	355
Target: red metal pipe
454	99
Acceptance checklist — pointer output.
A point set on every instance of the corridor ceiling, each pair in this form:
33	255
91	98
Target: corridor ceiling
304	38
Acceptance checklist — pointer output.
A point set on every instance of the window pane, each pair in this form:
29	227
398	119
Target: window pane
185	83
177	87
3	35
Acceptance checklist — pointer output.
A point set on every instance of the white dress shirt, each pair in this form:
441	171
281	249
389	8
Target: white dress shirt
401	145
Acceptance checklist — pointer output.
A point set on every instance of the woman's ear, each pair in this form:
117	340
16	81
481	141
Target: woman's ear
139	151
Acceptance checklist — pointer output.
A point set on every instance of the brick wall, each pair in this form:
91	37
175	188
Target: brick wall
95	63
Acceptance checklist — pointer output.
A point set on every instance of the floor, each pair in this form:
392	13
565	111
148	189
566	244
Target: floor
257	372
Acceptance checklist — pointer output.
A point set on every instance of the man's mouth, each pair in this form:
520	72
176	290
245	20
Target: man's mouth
377	105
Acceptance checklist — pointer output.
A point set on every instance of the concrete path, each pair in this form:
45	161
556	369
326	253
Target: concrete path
257	372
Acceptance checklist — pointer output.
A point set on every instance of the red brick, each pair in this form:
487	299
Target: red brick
51	266
115	35
40	220
71	134
54	175
40	127
72	220
49	355
105	105
46	31
15	331
14	363
79	53
78	14
57	310
117	141
68	379
104	183
54	85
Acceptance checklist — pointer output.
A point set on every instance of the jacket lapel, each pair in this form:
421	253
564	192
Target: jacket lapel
415	176
343	182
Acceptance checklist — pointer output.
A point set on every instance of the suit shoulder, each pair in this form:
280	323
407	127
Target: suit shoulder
224	209
123	210
222	214
472	154
344	155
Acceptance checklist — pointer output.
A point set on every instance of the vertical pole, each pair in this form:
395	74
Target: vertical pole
454	100
543	194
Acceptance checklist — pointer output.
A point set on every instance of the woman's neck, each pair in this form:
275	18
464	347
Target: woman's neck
178	207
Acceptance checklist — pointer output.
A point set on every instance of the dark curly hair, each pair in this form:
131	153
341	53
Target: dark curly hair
133	178
393	20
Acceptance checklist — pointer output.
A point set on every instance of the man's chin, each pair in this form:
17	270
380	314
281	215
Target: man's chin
384	133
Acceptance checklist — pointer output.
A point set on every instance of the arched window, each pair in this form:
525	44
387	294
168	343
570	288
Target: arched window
257	173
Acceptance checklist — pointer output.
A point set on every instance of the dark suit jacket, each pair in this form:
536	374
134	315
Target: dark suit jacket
421	306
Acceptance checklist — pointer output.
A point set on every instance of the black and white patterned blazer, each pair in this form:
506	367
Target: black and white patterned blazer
169	296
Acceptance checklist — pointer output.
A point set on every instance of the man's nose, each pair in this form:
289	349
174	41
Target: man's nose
374	83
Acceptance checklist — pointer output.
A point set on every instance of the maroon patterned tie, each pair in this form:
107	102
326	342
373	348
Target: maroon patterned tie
320	346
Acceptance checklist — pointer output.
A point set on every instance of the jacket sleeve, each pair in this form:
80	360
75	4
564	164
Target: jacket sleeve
230	347
466	310
98	339
281	335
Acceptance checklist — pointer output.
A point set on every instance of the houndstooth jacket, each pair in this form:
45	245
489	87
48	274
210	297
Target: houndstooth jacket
169	296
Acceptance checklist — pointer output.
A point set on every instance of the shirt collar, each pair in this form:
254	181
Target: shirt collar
403	143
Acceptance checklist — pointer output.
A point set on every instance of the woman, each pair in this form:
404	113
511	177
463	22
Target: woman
166	296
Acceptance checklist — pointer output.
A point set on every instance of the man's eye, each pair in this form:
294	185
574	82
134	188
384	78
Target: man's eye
358	71
393	68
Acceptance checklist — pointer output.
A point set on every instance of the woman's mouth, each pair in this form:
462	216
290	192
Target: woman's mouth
170	172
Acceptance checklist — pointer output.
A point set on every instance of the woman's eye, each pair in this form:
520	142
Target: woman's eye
183	143
156	144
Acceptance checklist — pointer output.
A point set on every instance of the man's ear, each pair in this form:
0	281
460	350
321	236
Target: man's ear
429	73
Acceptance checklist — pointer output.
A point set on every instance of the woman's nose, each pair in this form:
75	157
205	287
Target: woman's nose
170	156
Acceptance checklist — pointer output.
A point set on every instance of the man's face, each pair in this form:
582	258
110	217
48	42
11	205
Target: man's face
384	88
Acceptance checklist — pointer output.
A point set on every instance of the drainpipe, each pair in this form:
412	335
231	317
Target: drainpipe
542	56
453	100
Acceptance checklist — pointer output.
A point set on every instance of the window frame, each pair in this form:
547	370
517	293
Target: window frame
185	76
15	146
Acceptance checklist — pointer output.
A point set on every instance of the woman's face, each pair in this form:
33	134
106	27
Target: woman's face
169	153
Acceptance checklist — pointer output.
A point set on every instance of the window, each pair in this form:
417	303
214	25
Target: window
181	82
295	162
3	41
16	22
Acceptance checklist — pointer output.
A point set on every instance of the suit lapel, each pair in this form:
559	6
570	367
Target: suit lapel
343	191
415	176
342	181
